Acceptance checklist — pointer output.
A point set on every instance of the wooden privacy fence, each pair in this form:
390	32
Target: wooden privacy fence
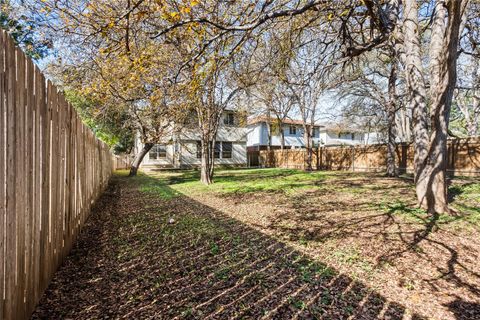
52	168
122	162
463	158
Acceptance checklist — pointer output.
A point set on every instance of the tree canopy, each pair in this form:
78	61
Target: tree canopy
157	62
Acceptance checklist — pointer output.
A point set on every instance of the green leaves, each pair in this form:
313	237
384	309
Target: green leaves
24	32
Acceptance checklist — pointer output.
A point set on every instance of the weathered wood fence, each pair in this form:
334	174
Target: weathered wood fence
463	158
52	169
122	162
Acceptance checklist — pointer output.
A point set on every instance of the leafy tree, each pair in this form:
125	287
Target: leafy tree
426	37
211	88
112	129
365	26
109	59
23	31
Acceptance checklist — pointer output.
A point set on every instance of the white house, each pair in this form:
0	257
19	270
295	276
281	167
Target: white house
182	150
257	136
340	134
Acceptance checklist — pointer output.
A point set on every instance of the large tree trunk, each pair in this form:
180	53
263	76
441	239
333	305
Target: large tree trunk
444	53
391	120
416	93
431	152
139	158
431	183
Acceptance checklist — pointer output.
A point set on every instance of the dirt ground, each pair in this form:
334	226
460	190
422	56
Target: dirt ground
342	246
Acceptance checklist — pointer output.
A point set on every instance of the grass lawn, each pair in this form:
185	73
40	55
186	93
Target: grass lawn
271	243
293	184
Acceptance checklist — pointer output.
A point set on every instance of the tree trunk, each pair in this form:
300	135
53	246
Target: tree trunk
139	158
269	135
416	94
308	146
205	169
212	159
391	120
430	152
391	148
282	137
443	80
269	131
473	117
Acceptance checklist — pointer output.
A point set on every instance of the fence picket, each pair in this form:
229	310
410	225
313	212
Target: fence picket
463	158
51	169
3	143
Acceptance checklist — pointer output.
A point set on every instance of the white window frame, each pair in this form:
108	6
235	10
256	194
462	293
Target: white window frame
227	117
155	150
219	146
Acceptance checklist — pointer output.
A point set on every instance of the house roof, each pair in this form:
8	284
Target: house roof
341	128
333	127
260	119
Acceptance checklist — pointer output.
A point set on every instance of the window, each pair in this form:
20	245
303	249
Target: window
223	149
229	119
158	151
216	152
226	150
199	149
353	136
293	130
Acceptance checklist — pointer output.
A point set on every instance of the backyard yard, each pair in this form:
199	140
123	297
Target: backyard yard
273	244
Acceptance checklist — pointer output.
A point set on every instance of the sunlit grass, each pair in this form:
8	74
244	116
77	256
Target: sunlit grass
238	181
170	184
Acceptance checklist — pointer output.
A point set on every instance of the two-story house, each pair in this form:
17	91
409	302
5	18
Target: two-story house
183	149
340	134
257	135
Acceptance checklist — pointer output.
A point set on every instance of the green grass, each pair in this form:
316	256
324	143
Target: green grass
172	184
465	200
353	257
169	183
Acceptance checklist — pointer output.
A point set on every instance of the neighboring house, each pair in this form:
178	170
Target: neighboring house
183	150
257	137
338	134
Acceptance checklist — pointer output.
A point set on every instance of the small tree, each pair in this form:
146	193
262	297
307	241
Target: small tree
278	101
372	92
210	89
466	104
308	84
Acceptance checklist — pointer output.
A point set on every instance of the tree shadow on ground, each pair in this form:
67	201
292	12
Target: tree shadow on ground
130	262
172	177
389	232
465	310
